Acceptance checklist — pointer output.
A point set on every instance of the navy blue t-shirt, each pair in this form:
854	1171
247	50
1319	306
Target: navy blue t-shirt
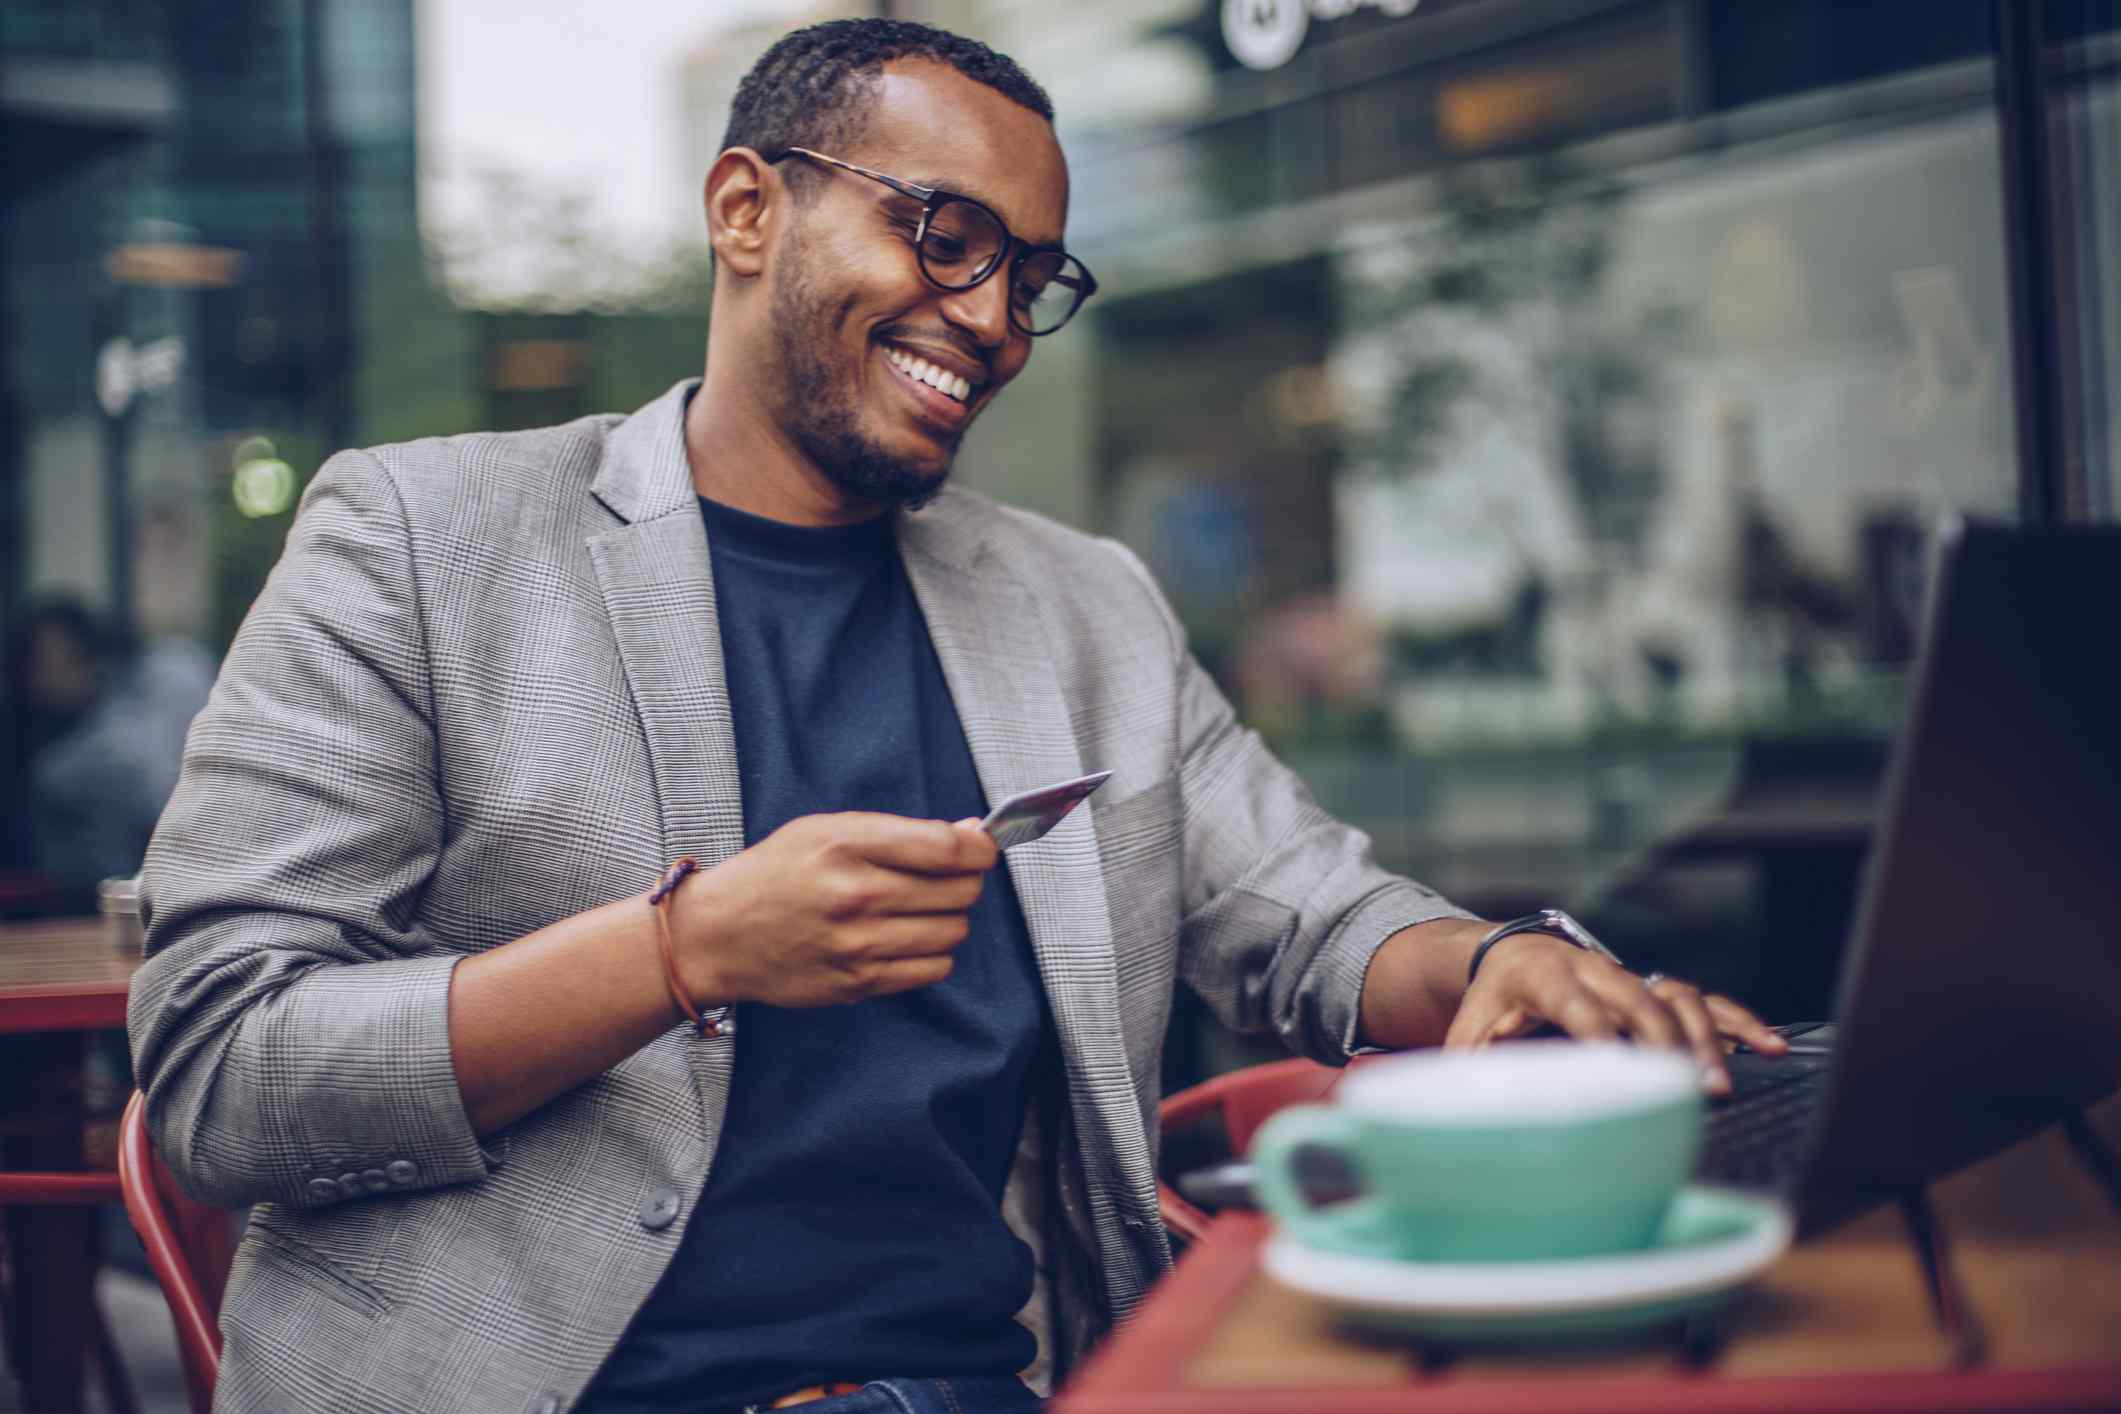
851	1227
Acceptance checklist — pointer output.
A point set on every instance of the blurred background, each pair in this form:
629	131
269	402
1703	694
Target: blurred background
1540	411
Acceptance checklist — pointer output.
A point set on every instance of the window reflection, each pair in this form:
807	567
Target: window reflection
1543	431
2084	51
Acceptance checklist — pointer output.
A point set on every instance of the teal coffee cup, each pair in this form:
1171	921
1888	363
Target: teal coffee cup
1527	1151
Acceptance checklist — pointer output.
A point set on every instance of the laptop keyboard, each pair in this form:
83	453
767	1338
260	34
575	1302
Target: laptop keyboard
1756	1138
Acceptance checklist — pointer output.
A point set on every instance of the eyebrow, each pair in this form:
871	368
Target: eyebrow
960	189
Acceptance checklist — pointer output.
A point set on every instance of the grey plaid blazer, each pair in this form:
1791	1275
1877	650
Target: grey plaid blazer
483	691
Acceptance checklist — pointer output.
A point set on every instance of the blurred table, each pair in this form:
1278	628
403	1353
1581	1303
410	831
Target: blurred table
59	980
2025	1313
62	975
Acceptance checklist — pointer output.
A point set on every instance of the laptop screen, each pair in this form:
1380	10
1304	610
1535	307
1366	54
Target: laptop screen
1980	999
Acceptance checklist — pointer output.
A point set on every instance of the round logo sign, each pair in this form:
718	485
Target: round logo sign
1264	34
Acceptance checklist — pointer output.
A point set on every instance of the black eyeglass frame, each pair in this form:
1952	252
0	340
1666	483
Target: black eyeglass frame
1013	250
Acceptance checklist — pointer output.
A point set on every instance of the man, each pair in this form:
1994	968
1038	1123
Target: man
110	722
416	990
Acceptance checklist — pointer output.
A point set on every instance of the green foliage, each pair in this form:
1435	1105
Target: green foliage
1521	251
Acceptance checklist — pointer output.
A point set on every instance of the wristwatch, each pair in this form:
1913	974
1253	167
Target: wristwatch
1551	921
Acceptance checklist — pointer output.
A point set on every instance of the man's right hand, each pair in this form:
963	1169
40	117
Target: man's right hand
830	909
826	909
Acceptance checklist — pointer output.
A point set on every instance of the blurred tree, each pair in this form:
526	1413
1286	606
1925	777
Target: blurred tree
525	243
1516	263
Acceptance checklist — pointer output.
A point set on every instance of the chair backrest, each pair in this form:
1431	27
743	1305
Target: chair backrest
1243	1099
189	1245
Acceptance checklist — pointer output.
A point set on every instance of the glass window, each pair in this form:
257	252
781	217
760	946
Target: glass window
2085	74
214	276
1542	429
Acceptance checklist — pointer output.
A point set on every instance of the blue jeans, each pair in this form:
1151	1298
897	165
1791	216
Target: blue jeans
959	1394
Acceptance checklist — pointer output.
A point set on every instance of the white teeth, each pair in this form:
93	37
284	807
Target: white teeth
939	379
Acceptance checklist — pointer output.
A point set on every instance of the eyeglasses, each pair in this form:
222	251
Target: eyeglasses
960	243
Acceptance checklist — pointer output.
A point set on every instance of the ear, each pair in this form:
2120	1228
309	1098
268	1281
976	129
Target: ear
744	197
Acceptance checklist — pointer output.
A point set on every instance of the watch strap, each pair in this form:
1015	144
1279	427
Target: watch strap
1550	921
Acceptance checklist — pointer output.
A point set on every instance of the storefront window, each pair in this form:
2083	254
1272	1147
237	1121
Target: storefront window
1543	429
215	272
2085	50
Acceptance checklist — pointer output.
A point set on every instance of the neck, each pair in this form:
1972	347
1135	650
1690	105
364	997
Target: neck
741	456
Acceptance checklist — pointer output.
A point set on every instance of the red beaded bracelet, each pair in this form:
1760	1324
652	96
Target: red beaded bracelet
672	877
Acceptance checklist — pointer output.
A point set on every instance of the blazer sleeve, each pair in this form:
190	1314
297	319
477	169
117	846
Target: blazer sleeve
290	1027
1283	905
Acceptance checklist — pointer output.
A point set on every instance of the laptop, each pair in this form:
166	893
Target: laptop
1980	995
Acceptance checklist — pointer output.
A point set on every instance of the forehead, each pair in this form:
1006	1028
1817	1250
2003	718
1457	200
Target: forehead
930	124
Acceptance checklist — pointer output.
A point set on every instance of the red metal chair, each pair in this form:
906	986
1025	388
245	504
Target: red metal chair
1242	1099
190	1246
77	1189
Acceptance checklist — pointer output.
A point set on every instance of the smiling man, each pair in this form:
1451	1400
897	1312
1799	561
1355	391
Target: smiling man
572	929
849	369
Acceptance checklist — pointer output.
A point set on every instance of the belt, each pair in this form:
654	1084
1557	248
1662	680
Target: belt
808	1394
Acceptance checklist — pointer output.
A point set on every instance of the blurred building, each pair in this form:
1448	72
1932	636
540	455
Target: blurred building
211	258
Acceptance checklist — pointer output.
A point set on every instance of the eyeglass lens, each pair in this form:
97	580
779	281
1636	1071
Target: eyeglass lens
961	246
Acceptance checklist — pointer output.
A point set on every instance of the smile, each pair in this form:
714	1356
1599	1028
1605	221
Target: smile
918	369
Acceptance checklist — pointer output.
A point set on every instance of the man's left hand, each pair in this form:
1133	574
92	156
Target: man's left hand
1533	978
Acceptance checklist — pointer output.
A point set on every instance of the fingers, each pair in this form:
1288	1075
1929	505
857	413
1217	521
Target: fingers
1736	1022
1671	1013
905	975
1513	1022
1691	1008
1583	1016
893	893
891	940
1645	1016
922	846
1476	1020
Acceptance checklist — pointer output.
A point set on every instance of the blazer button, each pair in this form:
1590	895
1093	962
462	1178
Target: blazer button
402	1172
350	1185
323	1188
550	1404
375	1181
659	1209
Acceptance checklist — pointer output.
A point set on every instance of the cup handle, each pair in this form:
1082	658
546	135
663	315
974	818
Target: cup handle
1273	1171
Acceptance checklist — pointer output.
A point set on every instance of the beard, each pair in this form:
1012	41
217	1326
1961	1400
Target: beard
821	417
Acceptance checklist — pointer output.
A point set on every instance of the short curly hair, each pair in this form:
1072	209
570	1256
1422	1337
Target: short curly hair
813	87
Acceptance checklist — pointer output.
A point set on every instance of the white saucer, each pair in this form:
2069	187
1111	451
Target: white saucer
1715	1240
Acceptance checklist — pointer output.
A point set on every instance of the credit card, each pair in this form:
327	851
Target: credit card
1027	815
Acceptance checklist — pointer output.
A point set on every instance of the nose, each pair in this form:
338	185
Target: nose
983	310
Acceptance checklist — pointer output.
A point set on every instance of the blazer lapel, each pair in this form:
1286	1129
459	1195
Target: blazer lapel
999	663
658	588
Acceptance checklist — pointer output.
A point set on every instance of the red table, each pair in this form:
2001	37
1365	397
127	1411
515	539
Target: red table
2030	1264
62	975
59	981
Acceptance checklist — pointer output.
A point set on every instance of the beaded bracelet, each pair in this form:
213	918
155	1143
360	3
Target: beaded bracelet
672	877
